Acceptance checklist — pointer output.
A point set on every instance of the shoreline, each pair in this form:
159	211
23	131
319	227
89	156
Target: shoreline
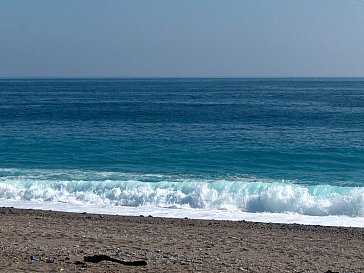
198	214
60	240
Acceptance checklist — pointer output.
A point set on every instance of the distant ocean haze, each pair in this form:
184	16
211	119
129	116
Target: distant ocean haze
244	145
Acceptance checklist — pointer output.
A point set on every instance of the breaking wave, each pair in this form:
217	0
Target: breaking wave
163	191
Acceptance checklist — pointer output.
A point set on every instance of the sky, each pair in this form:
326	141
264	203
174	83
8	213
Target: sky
181	38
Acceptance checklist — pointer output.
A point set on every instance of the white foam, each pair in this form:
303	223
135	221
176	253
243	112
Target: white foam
319	200
344	221
229	199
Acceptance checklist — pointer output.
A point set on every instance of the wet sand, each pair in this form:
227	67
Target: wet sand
59	241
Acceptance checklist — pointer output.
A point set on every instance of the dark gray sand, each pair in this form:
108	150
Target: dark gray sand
59	241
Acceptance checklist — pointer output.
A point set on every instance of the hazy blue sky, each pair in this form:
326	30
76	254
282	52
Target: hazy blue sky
87	38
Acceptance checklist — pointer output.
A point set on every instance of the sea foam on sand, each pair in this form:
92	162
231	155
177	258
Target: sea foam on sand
344	221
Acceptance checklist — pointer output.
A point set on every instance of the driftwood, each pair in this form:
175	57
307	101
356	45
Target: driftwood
100	258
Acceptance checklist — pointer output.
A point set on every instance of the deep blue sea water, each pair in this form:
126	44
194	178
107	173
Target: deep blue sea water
238	145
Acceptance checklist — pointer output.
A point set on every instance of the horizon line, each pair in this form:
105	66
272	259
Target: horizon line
173	77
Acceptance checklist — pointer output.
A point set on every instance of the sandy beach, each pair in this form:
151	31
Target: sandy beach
59	241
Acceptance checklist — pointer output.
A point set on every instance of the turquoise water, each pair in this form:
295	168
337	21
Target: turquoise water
248	145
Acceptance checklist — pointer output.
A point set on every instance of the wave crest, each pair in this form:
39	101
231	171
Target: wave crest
115	189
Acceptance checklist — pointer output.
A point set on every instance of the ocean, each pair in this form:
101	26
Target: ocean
269	150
